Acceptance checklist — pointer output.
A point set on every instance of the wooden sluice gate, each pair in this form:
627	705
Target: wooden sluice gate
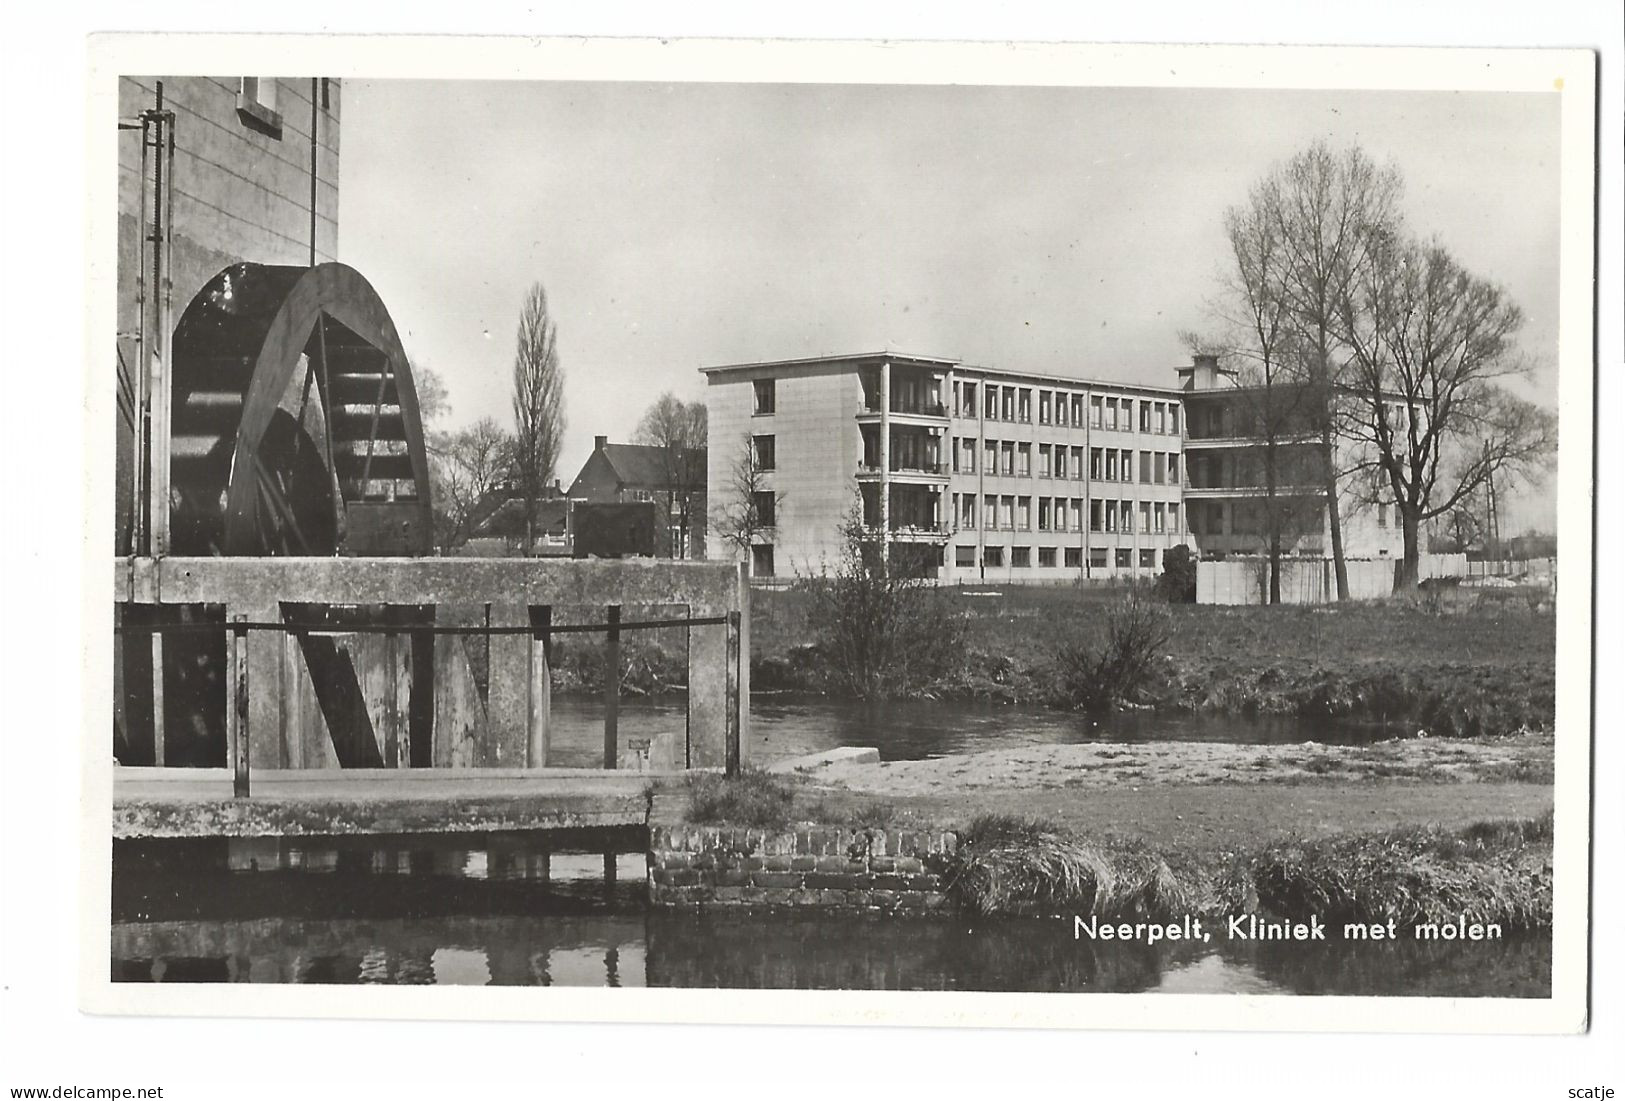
390	695
291	658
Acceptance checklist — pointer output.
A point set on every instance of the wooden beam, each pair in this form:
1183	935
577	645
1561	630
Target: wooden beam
612	686
730	738
541	687
237	711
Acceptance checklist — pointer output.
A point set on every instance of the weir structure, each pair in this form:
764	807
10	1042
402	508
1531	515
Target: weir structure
284	640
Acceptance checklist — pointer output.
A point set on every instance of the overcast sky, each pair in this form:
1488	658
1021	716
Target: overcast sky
1068	231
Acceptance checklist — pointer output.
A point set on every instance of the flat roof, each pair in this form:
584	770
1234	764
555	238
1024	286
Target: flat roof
831	359
1071	380
904	357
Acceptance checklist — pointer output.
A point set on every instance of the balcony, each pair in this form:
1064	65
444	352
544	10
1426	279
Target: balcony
1201	492
1204	443
918	531
869	411
904	472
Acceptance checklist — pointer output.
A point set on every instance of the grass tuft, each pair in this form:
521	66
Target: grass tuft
754	798
873	816
1010	865
1496	871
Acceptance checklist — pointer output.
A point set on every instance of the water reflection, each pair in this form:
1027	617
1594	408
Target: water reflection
788	726
799	952
506	910
569	950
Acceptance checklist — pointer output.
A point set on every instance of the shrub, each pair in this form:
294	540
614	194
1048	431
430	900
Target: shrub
1177	582
883	628
753	798
1095	678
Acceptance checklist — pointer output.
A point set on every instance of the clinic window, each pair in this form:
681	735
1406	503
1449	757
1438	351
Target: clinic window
257	106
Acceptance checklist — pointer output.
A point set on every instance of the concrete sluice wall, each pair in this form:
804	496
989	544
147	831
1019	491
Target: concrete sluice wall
405	662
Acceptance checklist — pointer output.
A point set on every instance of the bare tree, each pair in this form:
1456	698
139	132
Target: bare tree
678	428
749	505
1326	206
1462	528
538	404
1430	345
469	465
434	402
1274	394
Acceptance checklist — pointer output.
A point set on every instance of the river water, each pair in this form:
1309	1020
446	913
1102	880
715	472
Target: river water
471	910
468	911
790	726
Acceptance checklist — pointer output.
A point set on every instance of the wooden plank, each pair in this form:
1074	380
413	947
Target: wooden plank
508	701
315	741
612	685
157	698
266	658
460	726
121	714
541	688
392	710
731	730
290	673
237	710
741	708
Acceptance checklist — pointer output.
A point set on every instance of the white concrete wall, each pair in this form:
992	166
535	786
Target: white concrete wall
817	446
1310	580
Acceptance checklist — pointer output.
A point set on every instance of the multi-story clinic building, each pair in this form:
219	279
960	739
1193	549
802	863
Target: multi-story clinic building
1005	476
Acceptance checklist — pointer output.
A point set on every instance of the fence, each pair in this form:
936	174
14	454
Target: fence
1245	580
319	680
1534	570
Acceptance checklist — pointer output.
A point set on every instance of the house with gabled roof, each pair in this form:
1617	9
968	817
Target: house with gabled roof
673	478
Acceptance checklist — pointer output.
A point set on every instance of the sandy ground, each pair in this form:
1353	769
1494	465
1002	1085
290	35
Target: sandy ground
1191	797
1116	766
1208	817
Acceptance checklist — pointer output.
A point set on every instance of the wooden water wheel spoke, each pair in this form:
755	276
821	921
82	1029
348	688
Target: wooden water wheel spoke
274	492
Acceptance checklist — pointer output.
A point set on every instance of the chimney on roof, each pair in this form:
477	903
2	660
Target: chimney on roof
1203	373
599	442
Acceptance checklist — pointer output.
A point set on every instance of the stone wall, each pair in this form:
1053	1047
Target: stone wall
849	869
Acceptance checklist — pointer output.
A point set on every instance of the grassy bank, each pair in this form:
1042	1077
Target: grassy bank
1457	672
1464	671
1493	871
1496	869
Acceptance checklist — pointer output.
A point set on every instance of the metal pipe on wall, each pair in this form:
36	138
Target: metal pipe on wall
315	108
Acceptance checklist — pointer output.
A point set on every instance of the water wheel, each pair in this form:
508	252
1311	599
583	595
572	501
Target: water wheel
295	431
295	425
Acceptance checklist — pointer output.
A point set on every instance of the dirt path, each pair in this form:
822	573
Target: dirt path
1219	817
1114	766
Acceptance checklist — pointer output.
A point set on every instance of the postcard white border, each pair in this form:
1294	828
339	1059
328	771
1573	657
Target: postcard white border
1569	73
